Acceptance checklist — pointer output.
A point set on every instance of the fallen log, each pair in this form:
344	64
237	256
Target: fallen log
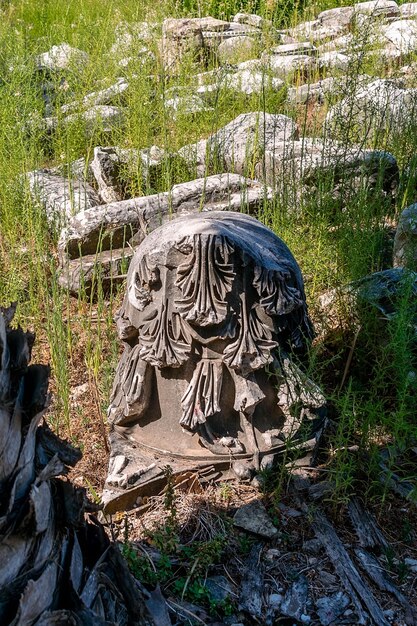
356	588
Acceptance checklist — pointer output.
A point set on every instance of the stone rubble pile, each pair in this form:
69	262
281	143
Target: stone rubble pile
92	201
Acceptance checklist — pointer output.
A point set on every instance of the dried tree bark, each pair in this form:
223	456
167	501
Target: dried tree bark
56	566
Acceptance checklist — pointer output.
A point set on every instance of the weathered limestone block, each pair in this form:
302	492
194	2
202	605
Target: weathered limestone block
106	267
237	50
196	39
212	39
285	65
316	31
238	144
308	162
61	197
340	17
112	166
343	44
377	8
212	300
405	242
312	91
333	60
250	81
119	225
181	39
380	294
291	49
378	107
400	36
408	10
62	57
106	169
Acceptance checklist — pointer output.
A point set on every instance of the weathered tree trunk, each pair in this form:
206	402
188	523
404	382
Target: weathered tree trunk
56	566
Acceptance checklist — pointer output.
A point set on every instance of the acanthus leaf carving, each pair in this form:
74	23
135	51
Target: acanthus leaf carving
204	279
276	295
202	397
253	346
164	339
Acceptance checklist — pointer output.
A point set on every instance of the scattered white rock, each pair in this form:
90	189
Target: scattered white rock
377	107
239	142
181	38
402	34
62	57
283	66
408	10
237	50
340	17
291	49
412	564
329	608
295	600
405	242
377	8
249	82
252	20
333	60
61	197
103	97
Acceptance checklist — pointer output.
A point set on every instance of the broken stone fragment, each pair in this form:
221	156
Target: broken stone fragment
408	10
379	107
294	604
98	118
60	197
250	82
339	17
106	268
238	145
106	96
377	8
253	517
284	65
400	35
329	608
112	167
62	57
310	160
237	50
291	49
252	20
312	91
181	39
315	31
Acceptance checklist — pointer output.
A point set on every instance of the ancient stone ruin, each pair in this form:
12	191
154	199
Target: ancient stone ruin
213	313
